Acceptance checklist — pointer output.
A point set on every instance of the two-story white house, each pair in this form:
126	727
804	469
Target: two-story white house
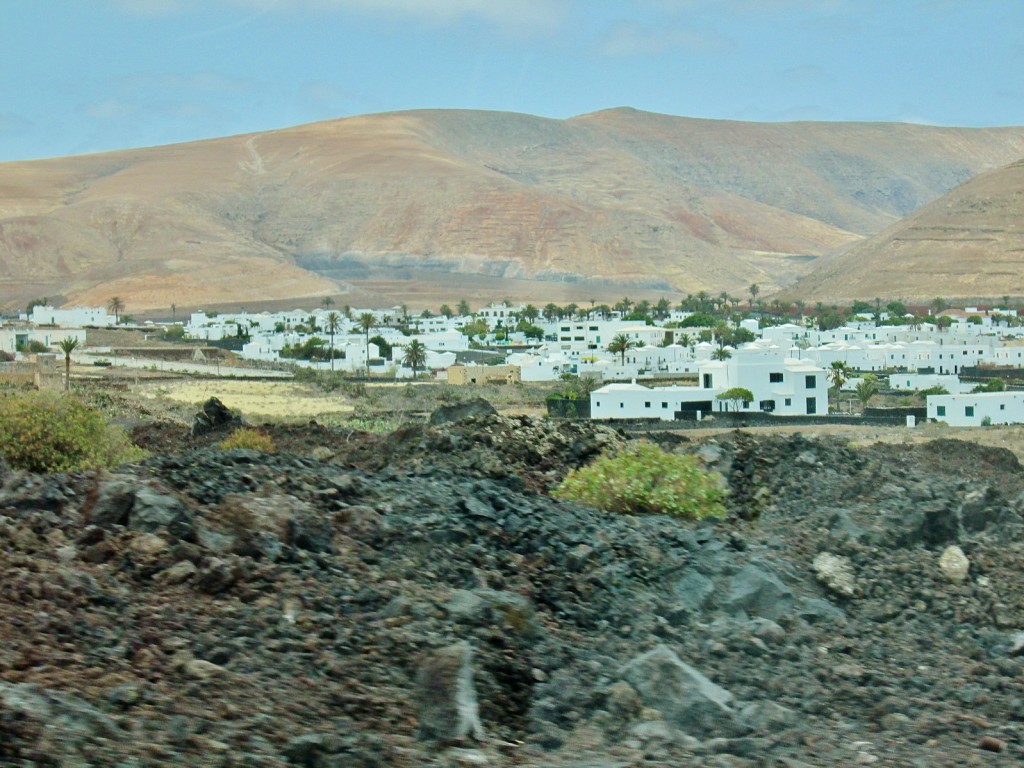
780	385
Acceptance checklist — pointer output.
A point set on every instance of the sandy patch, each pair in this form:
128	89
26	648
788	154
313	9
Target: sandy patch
277	400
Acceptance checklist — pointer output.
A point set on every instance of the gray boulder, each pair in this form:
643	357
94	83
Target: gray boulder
684	696
757	592
446	695
471	409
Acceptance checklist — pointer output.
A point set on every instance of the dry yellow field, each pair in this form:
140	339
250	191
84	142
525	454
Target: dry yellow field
274	400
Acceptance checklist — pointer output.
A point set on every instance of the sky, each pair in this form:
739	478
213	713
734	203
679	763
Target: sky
79	76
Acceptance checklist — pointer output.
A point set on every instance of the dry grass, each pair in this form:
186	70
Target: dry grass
268	400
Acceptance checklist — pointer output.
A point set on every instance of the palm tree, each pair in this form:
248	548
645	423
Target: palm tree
116	305
415	355
326	301
333	322
621	344
754	289
866	389
838	373
463	308
67	346
722	353
366	322
446	311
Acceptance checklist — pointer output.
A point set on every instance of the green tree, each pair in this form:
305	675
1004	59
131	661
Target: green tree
332	323
67	345
662	308
621	344
383	347
531	313
866	389
838	373
116	305
415	355
552	312
446	311
992	385
464	310
722	353
366	322
753	290
737	396
326	302
42	301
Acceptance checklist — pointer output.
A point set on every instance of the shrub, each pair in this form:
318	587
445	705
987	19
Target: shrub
250	439
47	432
644	479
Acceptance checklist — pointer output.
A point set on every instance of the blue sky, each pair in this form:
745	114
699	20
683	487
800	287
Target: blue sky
90	75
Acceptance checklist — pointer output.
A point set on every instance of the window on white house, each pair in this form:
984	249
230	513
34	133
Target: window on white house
789	401
1002	406
622	405
940	410
775	378
811	382
664	405
647	403
968	410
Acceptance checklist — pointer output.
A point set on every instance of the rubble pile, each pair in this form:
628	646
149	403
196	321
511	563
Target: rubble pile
413	600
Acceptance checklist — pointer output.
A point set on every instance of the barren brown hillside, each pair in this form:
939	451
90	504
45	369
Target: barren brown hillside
421	205
968	243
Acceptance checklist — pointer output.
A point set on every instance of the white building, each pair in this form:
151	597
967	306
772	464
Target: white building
13	336
915	382
71	317
977	409
779	385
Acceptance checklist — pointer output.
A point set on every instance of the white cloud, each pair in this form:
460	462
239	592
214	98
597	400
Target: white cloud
512	16
628	38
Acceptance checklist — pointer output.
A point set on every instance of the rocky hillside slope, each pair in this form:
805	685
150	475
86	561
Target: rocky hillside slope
609	202
326	606
968	243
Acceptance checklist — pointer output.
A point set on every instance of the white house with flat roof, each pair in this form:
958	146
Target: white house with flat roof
915	382
780	385
977	408
71	317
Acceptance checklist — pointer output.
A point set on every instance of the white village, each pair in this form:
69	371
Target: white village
634	365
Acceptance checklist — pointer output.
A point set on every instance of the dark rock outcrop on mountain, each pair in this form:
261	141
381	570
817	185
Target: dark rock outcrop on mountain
236	608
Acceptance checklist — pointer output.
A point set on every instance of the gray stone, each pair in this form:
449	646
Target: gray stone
1017	644
757	592
953	564
836	573
470	409
213	416
692	592
114	502
180	571
446	695
684	696
155	512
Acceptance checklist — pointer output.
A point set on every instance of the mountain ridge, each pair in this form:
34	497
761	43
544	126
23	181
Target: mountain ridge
431	200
